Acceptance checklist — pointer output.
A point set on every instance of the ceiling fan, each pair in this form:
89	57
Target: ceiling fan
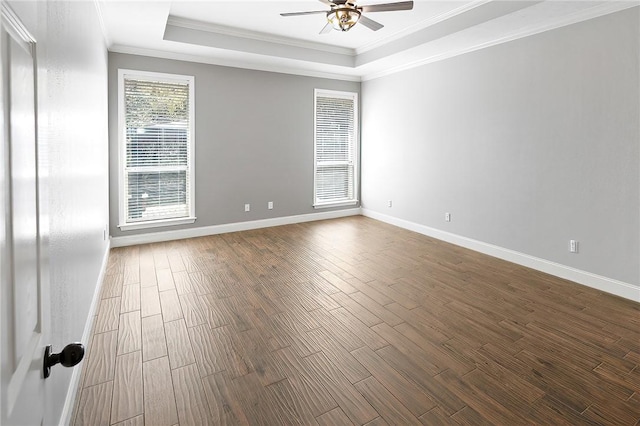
344	14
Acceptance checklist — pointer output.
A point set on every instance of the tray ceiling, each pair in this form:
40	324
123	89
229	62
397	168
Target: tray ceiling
252	34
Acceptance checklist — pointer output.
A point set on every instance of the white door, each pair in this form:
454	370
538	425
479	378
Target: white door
22	250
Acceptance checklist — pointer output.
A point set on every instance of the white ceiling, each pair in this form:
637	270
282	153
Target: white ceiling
252	34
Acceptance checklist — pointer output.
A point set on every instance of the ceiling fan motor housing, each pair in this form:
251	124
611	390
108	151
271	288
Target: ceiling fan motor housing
343	15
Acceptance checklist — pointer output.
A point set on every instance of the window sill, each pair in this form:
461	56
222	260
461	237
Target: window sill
335	204
156	223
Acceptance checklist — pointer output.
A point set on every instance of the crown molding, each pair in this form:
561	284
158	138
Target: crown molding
255	36
421	25
257	66
552	24
326	69
256	46
103	27
13	23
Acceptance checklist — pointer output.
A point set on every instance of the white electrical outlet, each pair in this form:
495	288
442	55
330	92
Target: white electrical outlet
447	217
389	203
573	246
104	234
270	205
247	207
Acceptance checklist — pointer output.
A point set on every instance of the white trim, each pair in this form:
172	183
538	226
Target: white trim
15	26
552	24
412	29
156	223
342	94
103	27
359	73
588	279
225	62
121	143
609	285
356	142
255	35
599	282
180	234
74	383
191	184
336	204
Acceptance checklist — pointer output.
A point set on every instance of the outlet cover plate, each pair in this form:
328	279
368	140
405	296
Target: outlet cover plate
573	246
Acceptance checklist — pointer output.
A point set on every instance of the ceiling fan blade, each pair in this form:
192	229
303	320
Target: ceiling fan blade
313	12
327	2
326	29
370	23
387	7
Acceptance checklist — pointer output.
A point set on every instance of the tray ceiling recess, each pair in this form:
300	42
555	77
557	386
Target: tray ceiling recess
254	35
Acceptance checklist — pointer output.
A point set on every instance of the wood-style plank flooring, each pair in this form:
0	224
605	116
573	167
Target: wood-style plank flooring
351	321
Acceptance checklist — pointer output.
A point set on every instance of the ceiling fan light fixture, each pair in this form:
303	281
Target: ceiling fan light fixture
344	17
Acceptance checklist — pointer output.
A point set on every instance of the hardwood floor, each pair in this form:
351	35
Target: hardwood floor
351	321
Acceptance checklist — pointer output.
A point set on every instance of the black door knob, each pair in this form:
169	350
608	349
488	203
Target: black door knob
71	355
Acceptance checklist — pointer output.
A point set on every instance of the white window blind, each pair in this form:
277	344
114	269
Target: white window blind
335	148
157	148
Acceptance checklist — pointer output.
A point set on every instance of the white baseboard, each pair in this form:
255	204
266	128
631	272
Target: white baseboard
609	285
599	282
72	392
179	234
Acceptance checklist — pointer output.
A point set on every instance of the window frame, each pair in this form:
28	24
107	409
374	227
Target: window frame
356	148
122	141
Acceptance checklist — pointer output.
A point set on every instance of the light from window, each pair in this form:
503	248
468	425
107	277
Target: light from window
335	148
156	143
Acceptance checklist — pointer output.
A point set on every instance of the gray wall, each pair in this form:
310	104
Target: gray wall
72	103
254	140
527	144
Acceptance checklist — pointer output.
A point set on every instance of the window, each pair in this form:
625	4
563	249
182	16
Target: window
335	148
156	140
